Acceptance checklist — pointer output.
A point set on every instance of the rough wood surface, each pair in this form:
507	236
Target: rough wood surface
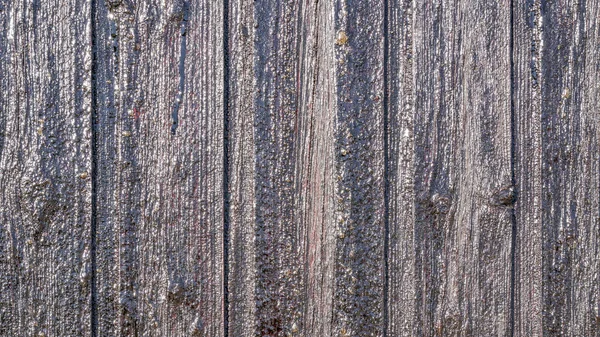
359	170
307	129
401	305
160	169
267	299
241	168
527	158
463	183
299	168
570	171
45	158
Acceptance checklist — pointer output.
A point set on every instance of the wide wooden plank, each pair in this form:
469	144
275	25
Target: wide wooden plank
272	95
160	168
570	173
306	168
463	178
45	161
400	173
527	157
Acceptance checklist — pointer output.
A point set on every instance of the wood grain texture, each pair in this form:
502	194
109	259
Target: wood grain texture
299	168
527	157
317	162
401	268
242	201
45	188
359	168
278	236
160	168
463	227
278	183
307	138
570	172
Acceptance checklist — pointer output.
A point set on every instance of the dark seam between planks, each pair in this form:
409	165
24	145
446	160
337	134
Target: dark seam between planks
179	99
513	217
386	171
226	197
93	173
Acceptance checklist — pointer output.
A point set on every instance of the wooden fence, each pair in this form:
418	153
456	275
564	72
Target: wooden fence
299	168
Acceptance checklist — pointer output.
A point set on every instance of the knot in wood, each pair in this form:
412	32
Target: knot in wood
506	196
441	203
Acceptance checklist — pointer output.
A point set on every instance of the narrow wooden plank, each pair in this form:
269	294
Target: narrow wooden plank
279	238
316	120
586	238
160	168
402	306
306	168
242	201
570	172
359	165
463	228
45	186
528	308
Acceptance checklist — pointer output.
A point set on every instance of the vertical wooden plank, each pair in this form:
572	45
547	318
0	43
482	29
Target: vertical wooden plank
45	188
463	180
586	240
279	239
272	189
8	311
570	177
242	202
528	308
306	168
359	166
586	237
6	277
402	307
160	168
317	157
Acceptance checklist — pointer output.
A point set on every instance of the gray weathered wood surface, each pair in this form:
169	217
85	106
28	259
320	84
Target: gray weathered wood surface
300	168
159	122
45	169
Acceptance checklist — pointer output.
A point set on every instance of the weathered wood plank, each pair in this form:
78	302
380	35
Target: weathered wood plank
527	158
241	168
359	167
306	111
402	305
586	272
160	168
463	228
317	161
570	171
270	90
279	237
45	158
